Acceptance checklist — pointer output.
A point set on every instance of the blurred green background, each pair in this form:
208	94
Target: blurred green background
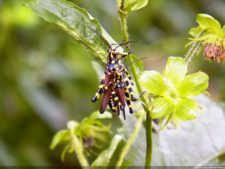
47	78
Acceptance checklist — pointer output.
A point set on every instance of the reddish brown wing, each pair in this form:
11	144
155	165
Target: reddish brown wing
105	99
108	79
121	95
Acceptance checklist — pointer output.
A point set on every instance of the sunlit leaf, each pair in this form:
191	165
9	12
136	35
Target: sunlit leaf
132	5
193	84
153	82
104	158
59	137
161	107
75	21
186	109
207	22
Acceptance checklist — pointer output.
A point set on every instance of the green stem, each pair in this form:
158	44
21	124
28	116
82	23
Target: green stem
194	49
130	141
148	157
192	52
123	19
76	145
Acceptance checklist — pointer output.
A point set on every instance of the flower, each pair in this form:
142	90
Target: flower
211	35
214	52
173	91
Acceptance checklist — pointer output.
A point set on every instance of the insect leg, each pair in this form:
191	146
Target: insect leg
112	103
129	88
120	107
116	102
99	92
128	100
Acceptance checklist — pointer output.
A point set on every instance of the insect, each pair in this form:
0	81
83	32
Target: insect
116	87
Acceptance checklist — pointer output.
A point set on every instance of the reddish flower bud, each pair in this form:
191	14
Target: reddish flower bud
214	52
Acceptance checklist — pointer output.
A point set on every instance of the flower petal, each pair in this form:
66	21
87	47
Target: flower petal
153	82
176	69
161	107
207	22
196	31
193	84
186	109
223	30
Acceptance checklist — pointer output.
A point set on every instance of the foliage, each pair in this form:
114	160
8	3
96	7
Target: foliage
189	145
47	79
91	134
209	30
76	21
173	91
211	36
131	5
105	157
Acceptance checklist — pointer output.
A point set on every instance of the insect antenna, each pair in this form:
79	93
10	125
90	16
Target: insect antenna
99	34
125	43
137	60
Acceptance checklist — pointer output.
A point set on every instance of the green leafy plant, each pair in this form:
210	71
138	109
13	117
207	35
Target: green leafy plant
173	91
84	138
169	96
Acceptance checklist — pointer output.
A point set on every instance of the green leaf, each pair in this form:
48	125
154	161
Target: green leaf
176	69
193	84
161	107
65	150
207	22
196	31
153	82
186	109
104	158
59	137
97	115
193	144
75	21
132	5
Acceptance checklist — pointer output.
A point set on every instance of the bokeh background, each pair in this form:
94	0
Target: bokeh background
46	78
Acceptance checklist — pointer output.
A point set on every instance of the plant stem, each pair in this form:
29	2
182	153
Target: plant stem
192	52
123	19
130	141
148	157
77	146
